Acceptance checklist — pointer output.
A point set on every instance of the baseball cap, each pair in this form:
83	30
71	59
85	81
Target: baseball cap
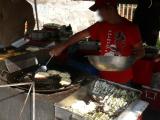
101	3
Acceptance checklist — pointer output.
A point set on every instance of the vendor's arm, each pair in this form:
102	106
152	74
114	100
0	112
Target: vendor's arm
138	50
91	32
157	59
57	50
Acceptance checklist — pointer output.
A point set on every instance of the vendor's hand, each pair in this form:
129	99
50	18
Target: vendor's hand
138	51
157	59
135	54
57	50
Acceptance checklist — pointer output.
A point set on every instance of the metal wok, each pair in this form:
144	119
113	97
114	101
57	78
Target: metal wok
111	63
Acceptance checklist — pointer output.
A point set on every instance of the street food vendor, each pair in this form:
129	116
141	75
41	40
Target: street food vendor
14	14
117	36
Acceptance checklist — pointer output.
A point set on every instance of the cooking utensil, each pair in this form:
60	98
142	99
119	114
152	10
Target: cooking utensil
39	35
151	52
111	63
20	42
44	68
13	65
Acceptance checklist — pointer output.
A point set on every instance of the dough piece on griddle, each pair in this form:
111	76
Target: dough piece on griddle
53	72
41	75
65	81
65	75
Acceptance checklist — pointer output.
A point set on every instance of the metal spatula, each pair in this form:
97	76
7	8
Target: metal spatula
44	68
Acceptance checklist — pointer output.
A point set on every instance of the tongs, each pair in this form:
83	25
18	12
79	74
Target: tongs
44	68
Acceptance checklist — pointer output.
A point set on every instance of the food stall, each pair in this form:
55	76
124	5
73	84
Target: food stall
109	100
60	81
64	92
18	71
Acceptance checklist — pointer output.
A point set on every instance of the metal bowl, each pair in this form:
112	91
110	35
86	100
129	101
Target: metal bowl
111	63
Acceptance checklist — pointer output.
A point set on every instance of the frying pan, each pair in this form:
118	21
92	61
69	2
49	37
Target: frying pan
111	63
49	85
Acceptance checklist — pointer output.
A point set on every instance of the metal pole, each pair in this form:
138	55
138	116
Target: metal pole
16	84
25	102
32	84
36	12
119	8
132	9
33	97
128	7
123	10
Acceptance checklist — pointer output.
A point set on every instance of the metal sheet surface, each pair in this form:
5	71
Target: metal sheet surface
135	109
12	100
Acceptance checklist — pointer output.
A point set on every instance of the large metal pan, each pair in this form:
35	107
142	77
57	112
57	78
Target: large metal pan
50	85
111	63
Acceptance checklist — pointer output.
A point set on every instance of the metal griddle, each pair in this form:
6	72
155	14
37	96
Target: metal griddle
22	65
48	86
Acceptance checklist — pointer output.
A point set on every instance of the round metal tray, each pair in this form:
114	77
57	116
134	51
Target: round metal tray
111	63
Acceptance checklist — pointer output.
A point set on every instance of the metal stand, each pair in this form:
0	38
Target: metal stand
31	90
36	12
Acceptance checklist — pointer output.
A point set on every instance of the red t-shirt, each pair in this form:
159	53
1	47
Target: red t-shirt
116	40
